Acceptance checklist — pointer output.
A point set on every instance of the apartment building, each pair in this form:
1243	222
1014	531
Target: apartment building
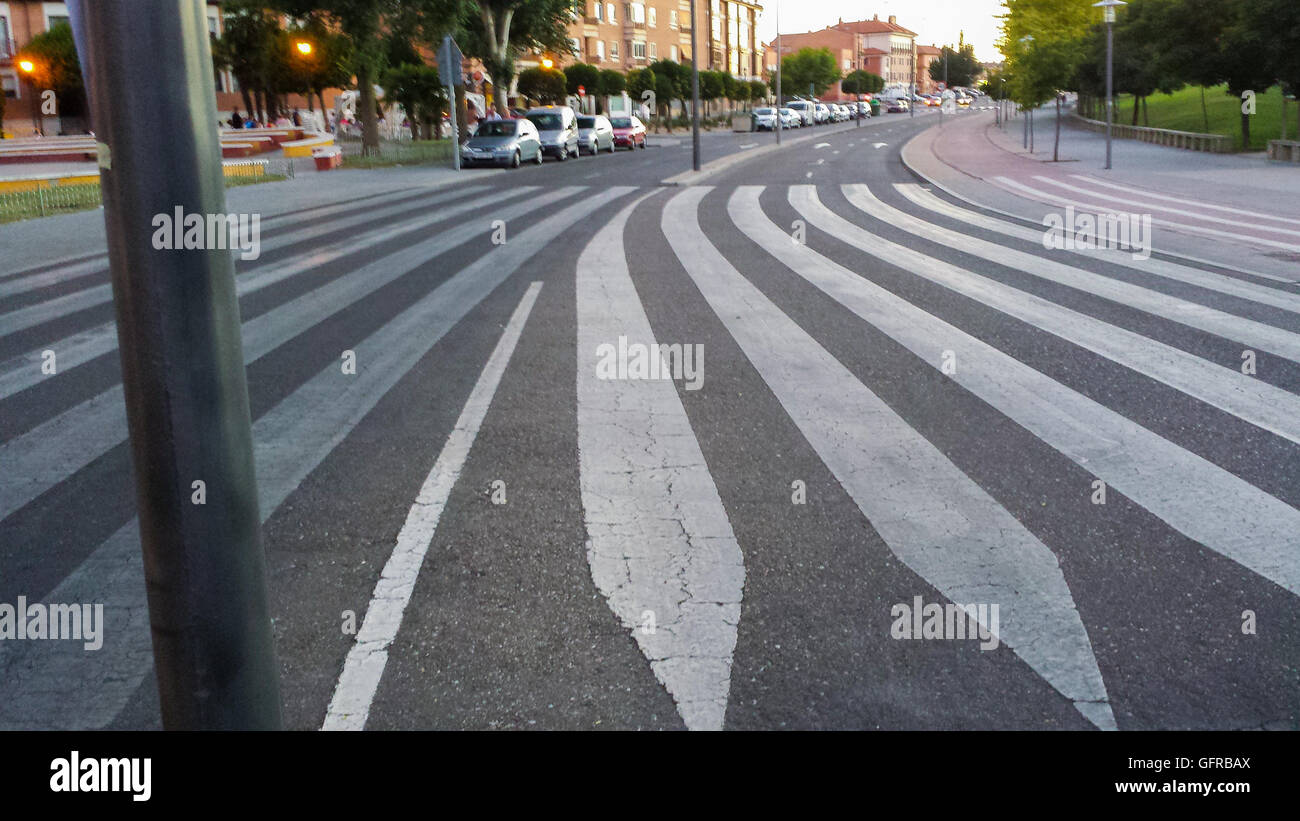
881	47
628	35
925	55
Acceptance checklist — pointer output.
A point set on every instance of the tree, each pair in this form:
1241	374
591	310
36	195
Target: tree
498	31
962	69
546	85
862	82
418	88
56	68
612	83
1282	53
757	90
584	75
329	65
807	67
711	87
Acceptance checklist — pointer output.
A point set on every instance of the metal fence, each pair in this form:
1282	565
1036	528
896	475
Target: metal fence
42	202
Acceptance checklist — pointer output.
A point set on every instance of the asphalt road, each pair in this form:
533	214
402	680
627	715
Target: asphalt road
877	402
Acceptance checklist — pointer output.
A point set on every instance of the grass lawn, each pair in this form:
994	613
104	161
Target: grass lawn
1181	111
65	199
417	152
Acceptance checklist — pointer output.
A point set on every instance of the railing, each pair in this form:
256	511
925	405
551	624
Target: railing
1191	140
44	201
1284	150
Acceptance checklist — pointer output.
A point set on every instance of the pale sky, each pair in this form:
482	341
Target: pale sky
934	21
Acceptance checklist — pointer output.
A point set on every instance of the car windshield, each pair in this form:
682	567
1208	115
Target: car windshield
621	122
547	122
763	111
497	128
586	122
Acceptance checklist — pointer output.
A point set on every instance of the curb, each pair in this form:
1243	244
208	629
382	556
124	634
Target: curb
911	169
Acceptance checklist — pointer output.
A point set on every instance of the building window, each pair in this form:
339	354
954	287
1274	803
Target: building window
600	12
672	50
10	83
654	17
672	18
637	11
609	12
613	49
638	50
654	51
600	50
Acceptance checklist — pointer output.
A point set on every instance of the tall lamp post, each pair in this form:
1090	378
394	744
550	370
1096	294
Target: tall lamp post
28	68
695	97
779	104
1026	41
1108	14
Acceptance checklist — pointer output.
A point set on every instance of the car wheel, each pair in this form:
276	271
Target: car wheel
563	155
643	142
514	161
537	158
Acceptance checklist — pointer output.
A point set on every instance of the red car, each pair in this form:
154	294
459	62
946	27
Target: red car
628	132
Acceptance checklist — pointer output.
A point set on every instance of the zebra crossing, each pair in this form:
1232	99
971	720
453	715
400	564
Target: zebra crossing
901	385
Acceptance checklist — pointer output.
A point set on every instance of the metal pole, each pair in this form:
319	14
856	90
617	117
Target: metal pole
455	133
778	68
695	96
182	363
1110	87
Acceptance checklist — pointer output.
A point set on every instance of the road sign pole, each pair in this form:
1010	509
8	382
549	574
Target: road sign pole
455	133
695	96
450	61
182	363
778	69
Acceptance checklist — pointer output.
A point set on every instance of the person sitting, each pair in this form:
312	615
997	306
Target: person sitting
236	119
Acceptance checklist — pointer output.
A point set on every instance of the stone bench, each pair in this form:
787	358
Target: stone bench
1284	150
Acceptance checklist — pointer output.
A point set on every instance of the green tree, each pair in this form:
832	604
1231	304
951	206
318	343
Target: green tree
57	69
962	68
582	74
809	67
862	82
498	31
612	82
328	65
418	88
757	90
546	85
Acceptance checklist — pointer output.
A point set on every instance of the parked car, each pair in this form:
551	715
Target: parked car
898	105
823	113
807	111
790	118
503	142
557	126
628	132
864	109
765	119
595	134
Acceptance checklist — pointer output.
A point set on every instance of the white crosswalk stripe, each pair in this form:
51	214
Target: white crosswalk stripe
670	560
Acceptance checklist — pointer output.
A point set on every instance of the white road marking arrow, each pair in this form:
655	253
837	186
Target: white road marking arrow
879	145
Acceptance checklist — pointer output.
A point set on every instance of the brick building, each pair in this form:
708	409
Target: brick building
882	47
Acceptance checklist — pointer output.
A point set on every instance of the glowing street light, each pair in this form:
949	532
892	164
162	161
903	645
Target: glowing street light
304	47
27	66
548	62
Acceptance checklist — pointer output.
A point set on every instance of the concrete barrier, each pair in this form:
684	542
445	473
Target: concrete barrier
1190	140
1284	150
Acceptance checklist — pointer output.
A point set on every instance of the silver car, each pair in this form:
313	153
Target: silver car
558	127
764	119
595	134
503	142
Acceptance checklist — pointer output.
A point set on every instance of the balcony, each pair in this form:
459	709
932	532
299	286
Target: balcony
7	48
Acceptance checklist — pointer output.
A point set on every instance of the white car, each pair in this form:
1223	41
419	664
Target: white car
806	111
822	113
790	118
764	119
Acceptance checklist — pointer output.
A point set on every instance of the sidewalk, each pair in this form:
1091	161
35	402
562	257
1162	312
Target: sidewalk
1241	211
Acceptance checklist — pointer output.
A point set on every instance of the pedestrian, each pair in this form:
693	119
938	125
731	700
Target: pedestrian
236	119
297	121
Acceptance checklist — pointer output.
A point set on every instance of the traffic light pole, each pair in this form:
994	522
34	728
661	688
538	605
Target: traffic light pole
148	75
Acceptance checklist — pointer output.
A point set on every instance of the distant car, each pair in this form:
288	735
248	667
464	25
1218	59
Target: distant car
807	111
628	132
790	118
557	126
823	113
841	113
898	105
963	100
503	142
933	100
864	109
595	134
765	119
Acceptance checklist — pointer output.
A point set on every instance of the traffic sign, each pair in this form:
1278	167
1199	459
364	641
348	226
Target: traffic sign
450	61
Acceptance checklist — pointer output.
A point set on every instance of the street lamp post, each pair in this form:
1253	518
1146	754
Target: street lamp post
28	68
1108	12
779	122
695	97
1026	41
